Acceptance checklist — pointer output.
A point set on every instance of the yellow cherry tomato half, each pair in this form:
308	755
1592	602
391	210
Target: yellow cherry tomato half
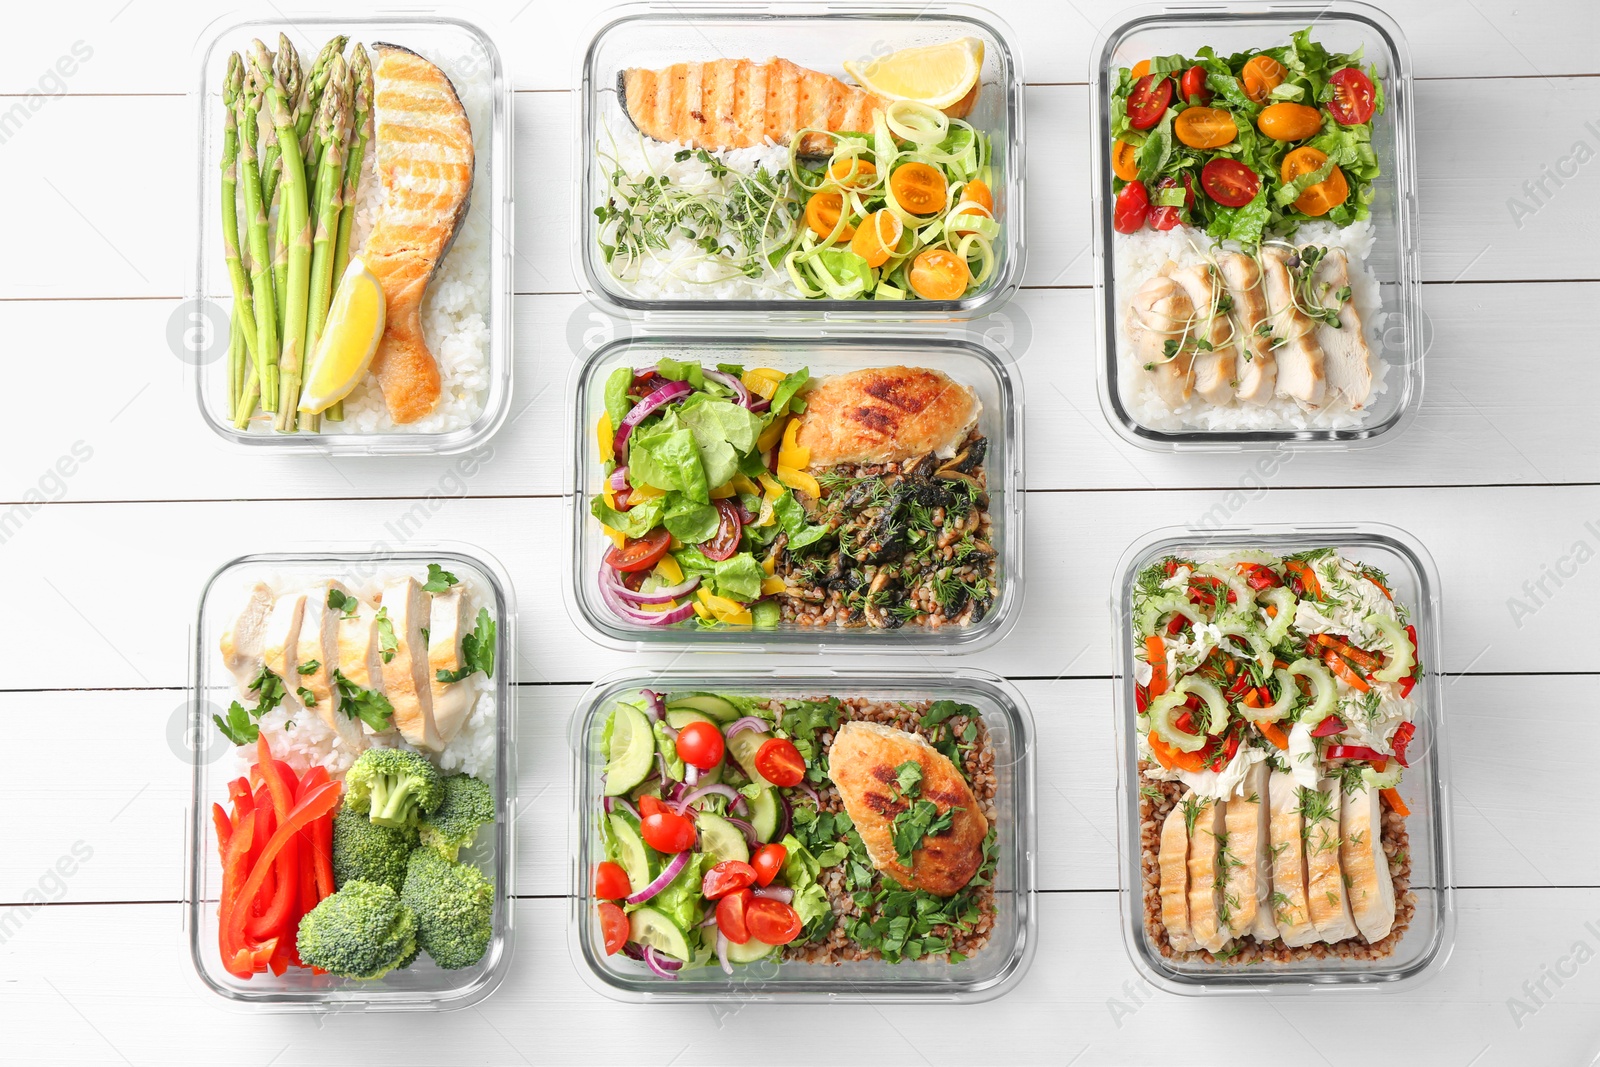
1319	199
1288	122
1125	161
877	237
1261	75
979	194
1204	127
939	274
1141	68
919	188
822	215
853	173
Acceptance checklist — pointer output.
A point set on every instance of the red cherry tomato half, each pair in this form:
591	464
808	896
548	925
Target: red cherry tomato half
613	926
611	881
700	745
768	861
1133	207
640	553
649	804
726	877
1164	217
1353	98
1194	86
667	831
726	542
780	762
731	915
1229	182
771	922
1149	101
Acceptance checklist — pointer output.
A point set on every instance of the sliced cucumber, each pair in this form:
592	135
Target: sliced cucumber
1287	691
1400	659
1216	704
721	839
679	717
647	926
743	747
1387	778
764	812
765	615
1282	599
1161	712
633	750
1324	695
1157	608
748	952
632	855
705	703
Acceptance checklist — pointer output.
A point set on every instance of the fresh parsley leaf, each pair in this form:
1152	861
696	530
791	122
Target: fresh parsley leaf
307	697
370	706
922	819
388	644
940	710
344	603
477	651
237	727
439	579
310	666
269	691
909	777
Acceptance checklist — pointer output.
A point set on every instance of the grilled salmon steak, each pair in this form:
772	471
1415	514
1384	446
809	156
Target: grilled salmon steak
424	164
738	103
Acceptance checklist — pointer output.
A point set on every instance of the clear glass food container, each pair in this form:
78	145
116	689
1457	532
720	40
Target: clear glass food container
1428	941
964	361
423	985
988	973
655	35
465	49
1342	26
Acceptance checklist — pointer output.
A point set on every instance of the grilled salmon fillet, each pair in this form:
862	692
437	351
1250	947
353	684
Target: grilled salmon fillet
885	415
863	764
738	103
424	161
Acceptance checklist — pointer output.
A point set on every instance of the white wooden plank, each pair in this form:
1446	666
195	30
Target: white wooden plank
139	48
1488	543
1081	1002
1479	422
131	791
88	237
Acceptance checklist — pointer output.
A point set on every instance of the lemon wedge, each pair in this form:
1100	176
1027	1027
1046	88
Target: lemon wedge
349	339
938	75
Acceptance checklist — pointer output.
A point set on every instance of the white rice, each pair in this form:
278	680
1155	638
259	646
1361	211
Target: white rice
683	270
303	740
455	308
1139	255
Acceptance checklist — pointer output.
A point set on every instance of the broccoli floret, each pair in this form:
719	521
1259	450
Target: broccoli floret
393	786
369	851
454	905
468	804
362	931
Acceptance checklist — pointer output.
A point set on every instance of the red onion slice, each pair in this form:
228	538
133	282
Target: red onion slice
663	966
610	578
775	892
674	868
749	722
619	478
668	393
720	790
751	838
722	953
612	804
608	593
805	787
740	390
657	708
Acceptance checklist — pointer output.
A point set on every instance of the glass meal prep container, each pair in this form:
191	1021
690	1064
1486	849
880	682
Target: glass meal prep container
476	363
423	985
1427	942
1394	260
988	973
653	36
964	361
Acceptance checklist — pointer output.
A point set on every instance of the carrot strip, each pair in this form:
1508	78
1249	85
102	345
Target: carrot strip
1169	756
1392	798
1339	667
1155	652
1274	733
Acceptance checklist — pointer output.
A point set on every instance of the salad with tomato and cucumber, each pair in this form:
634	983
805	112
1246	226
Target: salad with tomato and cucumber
1305	662
721	840
1244	146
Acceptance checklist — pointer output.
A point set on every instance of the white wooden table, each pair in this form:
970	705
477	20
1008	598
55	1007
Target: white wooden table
1499	476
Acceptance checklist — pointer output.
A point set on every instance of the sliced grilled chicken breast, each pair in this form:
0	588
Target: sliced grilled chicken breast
1257	367
1174	864
1161	311
1348	360
1248	869
448	621
1301	373
281	644
319	643
1205	880
1288	898
360	658
1366	866
405	671
1215	371
1326	898
242	640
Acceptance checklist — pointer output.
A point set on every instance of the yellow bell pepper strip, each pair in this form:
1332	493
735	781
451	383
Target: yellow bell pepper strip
763	381
770	565
668	571
644	492
701	610
773	491
799	481
769	586
771	436
745	485
608	438
723	492
791	454
724	610
618	538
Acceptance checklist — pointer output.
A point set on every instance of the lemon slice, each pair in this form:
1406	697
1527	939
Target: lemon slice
937	75
349	339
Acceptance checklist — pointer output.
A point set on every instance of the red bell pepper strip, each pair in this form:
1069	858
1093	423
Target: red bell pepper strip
319	840
1402	737
1328	727
1259	577
224	827
278	908
1354	752
235	871
1305	583
318	803
1141	699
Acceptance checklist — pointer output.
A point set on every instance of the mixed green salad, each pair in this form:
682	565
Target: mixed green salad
1247	145
722	839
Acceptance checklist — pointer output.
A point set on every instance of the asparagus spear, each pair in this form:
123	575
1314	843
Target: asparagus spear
311	103
361	79
294	218
265	361
333	134
286	65
242	322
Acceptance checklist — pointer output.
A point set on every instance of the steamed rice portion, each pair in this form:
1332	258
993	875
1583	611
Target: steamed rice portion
683	270
1138	256
455	308
303	740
